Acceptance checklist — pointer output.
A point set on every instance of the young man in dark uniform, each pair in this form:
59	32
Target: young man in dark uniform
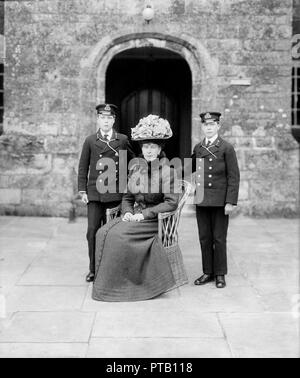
106	143
217	174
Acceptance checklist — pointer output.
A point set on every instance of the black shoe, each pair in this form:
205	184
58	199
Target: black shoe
220	282
90	277
205	278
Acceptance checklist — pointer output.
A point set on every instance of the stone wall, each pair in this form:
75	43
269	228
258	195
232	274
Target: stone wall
56	55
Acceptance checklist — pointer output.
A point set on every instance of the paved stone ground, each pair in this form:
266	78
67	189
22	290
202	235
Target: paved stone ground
47	311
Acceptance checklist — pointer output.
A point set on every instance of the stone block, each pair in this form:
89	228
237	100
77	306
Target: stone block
263	74
29	181
64	165
266	142
290	161
10	196
177	7
282	45
260	191
259	132
4	180
237	131
259	45
262	160
32	196
47	6
285	140
16	125
286	190
69	125
61	144
262	58
21	144
245	142
52	192
41	163
273	104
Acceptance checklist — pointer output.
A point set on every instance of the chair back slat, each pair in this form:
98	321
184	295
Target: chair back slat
168	226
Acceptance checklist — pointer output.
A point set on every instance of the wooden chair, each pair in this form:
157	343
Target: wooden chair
167	232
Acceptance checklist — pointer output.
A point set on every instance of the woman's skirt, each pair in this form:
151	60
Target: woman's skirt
131	264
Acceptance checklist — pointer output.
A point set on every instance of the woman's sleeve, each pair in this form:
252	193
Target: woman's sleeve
127	204
170	201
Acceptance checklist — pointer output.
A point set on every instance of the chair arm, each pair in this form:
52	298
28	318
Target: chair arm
112	213
166	214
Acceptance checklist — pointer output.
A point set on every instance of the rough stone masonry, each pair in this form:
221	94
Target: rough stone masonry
56	55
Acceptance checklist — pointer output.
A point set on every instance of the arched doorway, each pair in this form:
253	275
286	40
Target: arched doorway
152	80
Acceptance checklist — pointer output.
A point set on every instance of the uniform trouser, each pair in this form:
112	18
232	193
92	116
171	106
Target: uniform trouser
96	218
212	228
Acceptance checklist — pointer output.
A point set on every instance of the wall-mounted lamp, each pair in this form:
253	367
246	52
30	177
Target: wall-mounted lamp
148	13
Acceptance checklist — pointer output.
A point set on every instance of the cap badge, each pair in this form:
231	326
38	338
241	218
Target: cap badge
107	108
207	116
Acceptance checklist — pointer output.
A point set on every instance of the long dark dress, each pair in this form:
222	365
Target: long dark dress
131	263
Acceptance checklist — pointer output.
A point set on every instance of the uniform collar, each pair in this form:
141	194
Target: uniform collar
212	140
112	135
109	134
212	149
216	142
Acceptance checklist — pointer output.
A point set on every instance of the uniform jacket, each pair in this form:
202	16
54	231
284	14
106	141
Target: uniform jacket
219	174
94	148
146	202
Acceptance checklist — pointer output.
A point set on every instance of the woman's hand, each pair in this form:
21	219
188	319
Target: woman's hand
127	217
137	217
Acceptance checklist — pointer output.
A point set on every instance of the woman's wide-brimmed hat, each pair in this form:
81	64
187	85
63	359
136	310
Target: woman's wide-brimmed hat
151	128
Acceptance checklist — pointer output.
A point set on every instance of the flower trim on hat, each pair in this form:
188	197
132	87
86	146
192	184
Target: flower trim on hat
151	127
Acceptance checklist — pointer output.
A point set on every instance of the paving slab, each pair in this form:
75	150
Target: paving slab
45	298
43	350
41	327
10	277
277	298
158	348
265	335
184	324
59	256
31	228
231	299
55	275
12	248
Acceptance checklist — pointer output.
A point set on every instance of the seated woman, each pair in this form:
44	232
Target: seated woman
131	264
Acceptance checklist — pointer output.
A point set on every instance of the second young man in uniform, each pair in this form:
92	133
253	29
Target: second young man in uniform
217	178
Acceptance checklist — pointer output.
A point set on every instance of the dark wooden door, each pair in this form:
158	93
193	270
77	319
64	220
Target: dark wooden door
143	102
